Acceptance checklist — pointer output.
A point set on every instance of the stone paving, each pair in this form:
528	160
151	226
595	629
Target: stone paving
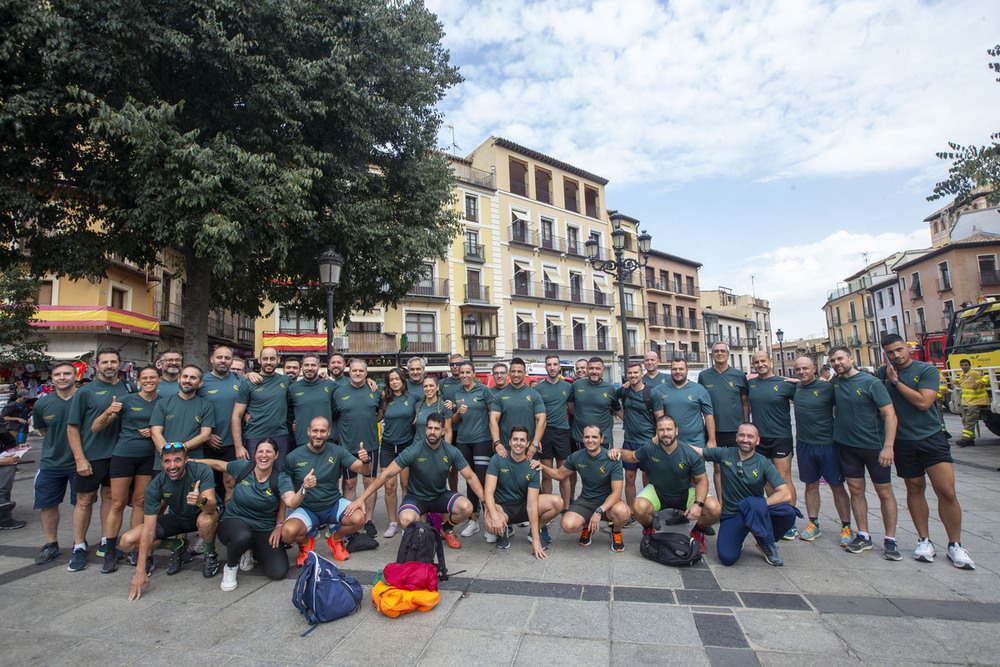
582	606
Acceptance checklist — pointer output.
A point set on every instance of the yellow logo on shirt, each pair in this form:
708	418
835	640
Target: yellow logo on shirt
236	387
681	465
754	473
268	491
602	469
504	470
197	419
422	459
445	459
731	384
690	397
654	459
815	392
528	477
167	495
331	460
857	391
302	463
775	387
212	391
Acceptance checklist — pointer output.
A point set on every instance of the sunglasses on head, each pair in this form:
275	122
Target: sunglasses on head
173	447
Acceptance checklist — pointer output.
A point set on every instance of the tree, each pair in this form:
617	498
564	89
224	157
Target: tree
248	136
974	169
19	341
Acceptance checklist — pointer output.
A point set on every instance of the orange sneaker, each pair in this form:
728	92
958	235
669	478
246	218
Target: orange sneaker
304	550
451	539
338	548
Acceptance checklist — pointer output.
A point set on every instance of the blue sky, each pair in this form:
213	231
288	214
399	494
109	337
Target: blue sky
779	140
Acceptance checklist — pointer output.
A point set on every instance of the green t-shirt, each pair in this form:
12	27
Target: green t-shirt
596	474
726	389
475	424
595	404
356	408
640	426
686	405
327	466
660	378
221	393
182	420
429	468
174	494
555	395
397	422
51	413
415	390
770	401
308	400
913	423
814	413
671	473
135	414
858	422
422	411
517	407
252	500
267	404
168	387
514	478
448	387
87	404
757	471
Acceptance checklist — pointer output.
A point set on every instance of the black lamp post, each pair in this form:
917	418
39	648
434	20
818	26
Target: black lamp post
619	269
329	277
469	327
781	350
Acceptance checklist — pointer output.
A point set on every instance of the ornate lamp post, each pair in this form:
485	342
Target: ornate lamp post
469	327
781	349
329	277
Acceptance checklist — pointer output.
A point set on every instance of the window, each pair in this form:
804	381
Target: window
523	334
878	298
519	227
420	332
915	291
543	186
881	324
948	307
363	328
944	277
579	334
472	208
836	318
44	296
550	282
518	178
602	336
988	270
474	289
689	285
570	190
650	276
921	321
600	246
590	200
119	298
600	298
553	333
289	321
630	304
651	310
522	280
472	246
633	342
906	316
664	280
692	318
854	314
576	287
895	324
678	281
680	316
425	287
892	296
548	239
573	241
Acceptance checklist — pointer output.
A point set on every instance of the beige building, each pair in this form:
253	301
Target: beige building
673	309
788	351
739	333
941	222
744	307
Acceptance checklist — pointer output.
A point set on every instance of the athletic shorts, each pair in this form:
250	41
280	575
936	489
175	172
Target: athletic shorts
100	477
516	512
373	459
855	460
168	525
555	444
585	508
387	453
226	454
130	466
443	504
633	446
774	448
50	487
914	457
661	501
313	520
817	461
725	438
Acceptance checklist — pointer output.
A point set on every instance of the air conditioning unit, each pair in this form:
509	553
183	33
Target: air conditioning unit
341	342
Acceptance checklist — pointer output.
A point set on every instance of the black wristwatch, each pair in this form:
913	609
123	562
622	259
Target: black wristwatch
600	510
700	504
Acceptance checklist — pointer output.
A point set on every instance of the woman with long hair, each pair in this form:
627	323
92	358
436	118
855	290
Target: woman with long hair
432	403
396	413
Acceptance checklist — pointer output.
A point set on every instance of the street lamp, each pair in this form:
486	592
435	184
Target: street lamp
469	329
329	277
619	269
781	349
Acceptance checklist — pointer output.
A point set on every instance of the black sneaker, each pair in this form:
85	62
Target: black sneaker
370	529
132	558
859	544
150	565
48	553
770	552
211	565
110	562
503	539
12	524
892	550
177	558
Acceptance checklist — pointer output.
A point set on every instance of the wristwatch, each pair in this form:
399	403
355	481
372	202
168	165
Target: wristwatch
700	504
600	510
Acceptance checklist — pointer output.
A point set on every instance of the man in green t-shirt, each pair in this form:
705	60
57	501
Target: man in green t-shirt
601	483
637	401
267	404
921	448
453	382
356	405
187	488
517	404
595	401
727	388
556	444
864	429
183	417
512	496
309	398
653	375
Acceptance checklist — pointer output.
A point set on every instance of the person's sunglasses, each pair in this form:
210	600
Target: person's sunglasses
173	446
739	468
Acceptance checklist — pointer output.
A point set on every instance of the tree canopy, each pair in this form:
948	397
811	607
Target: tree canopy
19	341
248	136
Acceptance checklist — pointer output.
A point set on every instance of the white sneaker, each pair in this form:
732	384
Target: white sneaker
959	556
229	578
491	538
391	530
924	551
246	560
471	528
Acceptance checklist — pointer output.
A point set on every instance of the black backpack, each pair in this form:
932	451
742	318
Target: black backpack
647	397
272	479
422	544
671	549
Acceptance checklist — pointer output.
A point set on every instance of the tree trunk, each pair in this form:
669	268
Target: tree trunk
195	309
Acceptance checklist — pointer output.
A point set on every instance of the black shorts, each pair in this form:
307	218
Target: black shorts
585	508
373	459
725	438
168	525
387	453
914	457
516	512
443	504
101	477
855	460
555	444
773	448
130	466
226	454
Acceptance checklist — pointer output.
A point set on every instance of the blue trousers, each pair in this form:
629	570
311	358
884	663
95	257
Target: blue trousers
764	522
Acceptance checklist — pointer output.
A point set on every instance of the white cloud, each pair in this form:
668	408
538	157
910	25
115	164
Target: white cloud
644	91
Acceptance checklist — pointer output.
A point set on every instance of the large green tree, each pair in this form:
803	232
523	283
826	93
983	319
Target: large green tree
973	168
19	341
246	135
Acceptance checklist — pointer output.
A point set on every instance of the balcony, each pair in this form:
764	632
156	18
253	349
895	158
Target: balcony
555	244
869	313
853	341
426	343
592	210
352	344
482	346
526	289
477	293
475	252
430	289
574	247
989	277
915	292
519	233
543	194
519	188
533	341
673	288
944	284
836	320
95	319
168	311
838	342
464	172
222	324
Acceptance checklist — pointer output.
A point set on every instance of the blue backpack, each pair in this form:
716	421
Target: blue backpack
323	594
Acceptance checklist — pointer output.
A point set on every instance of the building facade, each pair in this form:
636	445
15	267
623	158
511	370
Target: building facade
739	333
673	309
744	307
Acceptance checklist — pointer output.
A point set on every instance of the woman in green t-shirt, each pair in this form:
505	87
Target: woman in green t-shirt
432	403
396	414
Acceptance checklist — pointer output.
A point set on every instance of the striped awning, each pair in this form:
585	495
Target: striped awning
91	316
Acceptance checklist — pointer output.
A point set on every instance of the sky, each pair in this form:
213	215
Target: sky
777	143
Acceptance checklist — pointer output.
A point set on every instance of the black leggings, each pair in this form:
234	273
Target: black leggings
238	537
478	455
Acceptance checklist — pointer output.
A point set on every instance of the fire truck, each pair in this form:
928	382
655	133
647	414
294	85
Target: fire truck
974	334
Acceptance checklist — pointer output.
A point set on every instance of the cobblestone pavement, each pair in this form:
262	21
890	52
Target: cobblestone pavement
582	606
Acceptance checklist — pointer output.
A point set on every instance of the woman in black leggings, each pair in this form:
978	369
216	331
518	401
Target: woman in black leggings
250	526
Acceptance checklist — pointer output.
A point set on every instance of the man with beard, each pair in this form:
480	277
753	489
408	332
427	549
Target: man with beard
220	388
170	372
267	404
309	398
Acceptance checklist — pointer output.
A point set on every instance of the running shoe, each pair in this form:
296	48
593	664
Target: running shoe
391	530
699	537
246	563
370	528
845	536
110	562
617	545
631	522
810	533
545	535
545	545
177	558
491	538
471	528
524	524
211	565
648	530
585	538
338	548
150	565
792	533
924	551
503	539
959	557
770	552
48	553
859	544
132	558
891	550
451	539
229	578
304	550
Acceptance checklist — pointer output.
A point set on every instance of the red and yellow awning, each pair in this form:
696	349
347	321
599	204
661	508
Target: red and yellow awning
88	316
285	342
